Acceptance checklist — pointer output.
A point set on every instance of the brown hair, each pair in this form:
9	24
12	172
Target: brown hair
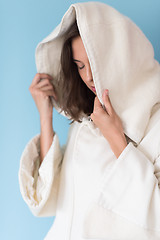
75	97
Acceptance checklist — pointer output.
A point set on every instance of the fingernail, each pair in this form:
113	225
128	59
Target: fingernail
106	92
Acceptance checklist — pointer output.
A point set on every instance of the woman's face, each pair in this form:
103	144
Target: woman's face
82	62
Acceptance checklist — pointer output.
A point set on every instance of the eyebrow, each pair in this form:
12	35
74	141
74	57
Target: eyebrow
76	60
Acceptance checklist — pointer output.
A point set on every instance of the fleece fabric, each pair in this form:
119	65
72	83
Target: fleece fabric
93	194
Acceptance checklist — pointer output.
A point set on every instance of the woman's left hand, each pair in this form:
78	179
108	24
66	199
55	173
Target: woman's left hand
109	124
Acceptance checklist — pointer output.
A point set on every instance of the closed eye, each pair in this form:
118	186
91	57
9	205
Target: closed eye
77	64
81	67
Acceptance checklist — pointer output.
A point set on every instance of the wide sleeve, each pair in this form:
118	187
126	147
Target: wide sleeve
127	203
39	183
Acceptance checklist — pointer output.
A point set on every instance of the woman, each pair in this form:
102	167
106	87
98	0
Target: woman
98	69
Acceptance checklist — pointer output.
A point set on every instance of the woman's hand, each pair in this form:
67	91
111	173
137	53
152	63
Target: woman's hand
109	124
41	90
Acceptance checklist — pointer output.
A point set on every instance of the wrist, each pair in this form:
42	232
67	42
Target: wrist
118	143
46	126
45	120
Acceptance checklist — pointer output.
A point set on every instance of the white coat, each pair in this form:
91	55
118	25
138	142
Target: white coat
93	194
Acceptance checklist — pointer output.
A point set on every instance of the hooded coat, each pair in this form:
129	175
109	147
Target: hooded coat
91	193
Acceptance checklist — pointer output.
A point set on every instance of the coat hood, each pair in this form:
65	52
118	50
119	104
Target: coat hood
121	60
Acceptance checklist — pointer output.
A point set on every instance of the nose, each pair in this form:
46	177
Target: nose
88	73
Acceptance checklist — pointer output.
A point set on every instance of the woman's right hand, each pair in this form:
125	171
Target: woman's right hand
41	90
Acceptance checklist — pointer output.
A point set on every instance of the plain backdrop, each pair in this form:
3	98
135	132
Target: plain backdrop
23	24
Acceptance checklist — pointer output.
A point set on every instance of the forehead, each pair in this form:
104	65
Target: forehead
78	49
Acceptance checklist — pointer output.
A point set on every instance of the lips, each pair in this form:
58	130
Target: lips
93	88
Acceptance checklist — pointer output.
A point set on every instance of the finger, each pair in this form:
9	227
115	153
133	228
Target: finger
50	93
44	82
92	116
107	102
40	76
97	104
46	87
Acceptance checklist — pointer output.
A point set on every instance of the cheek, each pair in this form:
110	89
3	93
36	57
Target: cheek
82	75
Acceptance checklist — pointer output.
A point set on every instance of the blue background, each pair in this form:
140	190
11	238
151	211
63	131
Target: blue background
23	25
